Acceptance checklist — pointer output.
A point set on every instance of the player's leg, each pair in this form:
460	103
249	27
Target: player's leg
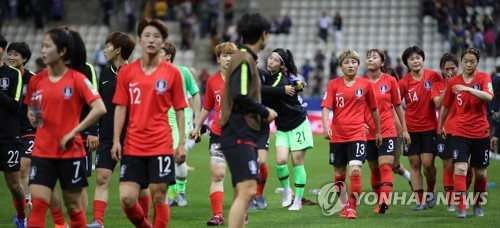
161	172
356	155
172	187
338	159
461	152
72	175
133	175
300	140
55	206
181	169
26	150
145	201
10	165
262	150
282	154
443	149
386	154
217	173
430	171
415	161
372	157
397	167
479	161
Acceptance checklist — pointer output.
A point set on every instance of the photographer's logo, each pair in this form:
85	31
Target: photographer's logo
331	197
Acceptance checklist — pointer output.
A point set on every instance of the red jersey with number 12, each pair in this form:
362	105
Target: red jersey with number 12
213	99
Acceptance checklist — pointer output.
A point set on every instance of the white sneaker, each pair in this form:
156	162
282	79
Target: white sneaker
297	205
181	199
287	197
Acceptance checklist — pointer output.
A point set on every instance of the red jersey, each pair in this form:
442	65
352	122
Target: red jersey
421	110
386	91
437	90
148	98
348	105
213	99
62	103
471	121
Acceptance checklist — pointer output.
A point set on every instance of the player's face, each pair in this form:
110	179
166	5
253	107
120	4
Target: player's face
274	62
373	61
110	52
224	60
50	55
14	59
415	62
151	40
350	67
469	63
449	70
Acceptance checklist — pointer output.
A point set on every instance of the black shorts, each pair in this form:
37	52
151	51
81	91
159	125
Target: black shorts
388	147
242	161
342	153
214	148
443	146
10	159
147	170
103	158
263	140
421	142
69	172
27	143
477	149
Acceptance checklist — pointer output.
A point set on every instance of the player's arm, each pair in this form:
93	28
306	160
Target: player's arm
8	102
327	131
196	105
198	122
438	99
12	99
482	95
401	121
239	91
445	108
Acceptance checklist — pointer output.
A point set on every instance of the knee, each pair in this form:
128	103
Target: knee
448	165
261	160
128	200
102	179
281	161
461	168
218	176
354	170
72	207
415	165
480	173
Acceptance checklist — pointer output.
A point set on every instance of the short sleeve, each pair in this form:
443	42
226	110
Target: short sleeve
208	102
178	99
86	88
191	86
436	90
395	96
402	87
486	85
121	95
328	97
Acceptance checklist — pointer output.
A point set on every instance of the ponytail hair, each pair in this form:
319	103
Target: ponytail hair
67	38
79	57
287	59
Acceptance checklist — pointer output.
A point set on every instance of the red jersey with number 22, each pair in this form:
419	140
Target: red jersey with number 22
213	99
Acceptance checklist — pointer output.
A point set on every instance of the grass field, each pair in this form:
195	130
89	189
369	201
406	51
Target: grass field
319	172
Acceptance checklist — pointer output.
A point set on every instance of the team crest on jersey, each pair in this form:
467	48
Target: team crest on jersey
4	83
476	86
383	89
358	93
67	92
161	86
25	89
427	84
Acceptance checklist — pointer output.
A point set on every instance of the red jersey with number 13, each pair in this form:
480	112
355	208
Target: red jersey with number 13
213	99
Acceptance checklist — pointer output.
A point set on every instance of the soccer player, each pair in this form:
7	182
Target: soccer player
469	93
381	158
178	190
147	88
119	46
293	135
10	146
213	99
421	121
241	114
348	96
58	152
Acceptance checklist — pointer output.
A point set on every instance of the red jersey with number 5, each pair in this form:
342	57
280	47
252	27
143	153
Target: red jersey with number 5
348	104
213	99
148	98
421	111
471	121
437	90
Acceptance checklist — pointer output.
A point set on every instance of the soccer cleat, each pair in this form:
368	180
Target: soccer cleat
215	221
95	224
20	223
351	214
261	203
343	211
252	205
451	208
420	207
383	208
296	206
431	200
462	214
171	202
478	211
287	198
65	225
181	199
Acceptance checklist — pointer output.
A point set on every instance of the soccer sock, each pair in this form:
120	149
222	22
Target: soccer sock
339	178
38	211
468	180
99	208
77	219
57	216
419	196
144	203
172	192
20	205
407	175
217	198
386	182
355	190
181	172
136	216
431	185
263	178
375	181
162	215
343	197
283	175
299	177
459	187
479	190
448	184
181	185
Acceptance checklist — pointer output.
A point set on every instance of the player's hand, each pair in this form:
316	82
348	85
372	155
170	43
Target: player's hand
31	117
67	138
289	90
327	132
443	133
116	151
406	137
272	115
378	139
367	128
194	134
92	142
460	88
180	154
493	143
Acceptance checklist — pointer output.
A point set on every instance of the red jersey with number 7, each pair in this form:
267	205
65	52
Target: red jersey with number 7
421	111
213	99
471	121
148	98
348	104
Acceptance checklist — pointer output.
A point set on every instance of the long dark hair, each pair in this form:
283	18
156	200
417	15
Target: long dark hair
76	54
287	57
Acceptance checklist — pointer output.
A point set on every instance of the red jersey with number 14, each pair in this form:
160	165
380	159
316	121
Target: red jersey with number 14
348	105
148	98
213	99
421	111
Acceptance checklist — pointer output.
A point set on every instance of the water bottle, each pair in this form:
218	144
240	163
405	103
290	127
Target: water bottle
314	191
36	108
279	190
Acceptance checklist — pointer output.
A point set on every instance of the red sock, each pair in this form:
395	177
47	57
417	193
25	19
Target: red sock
431	186
375	181
385	182
419	194
355	191
217	198
479	190
339	178
144	202
468	180
20	205
77	219
57	216
448	185
99	208
38	211
136	215
161	217
459	188
263	178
